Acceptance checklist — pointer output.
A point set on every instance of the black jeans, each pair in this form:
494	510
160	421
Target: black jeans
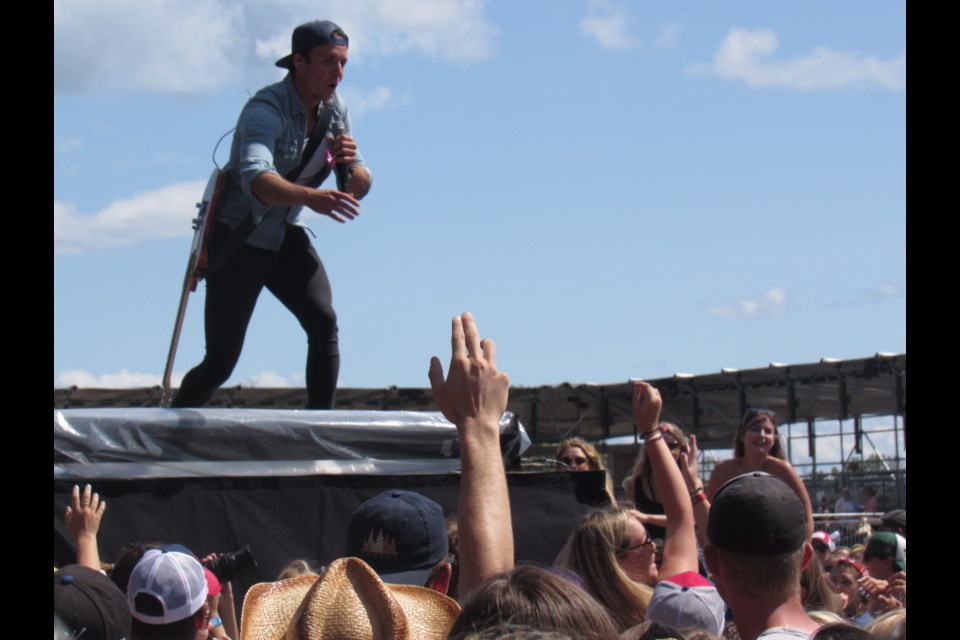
295	275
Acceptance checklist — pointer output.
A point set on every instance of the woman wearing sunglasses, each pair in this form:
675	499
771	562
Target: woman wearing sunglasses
640	487
576	454
612	550
757	447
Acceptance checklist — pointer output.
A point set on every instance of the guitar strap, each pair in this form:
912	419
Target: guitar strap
243	230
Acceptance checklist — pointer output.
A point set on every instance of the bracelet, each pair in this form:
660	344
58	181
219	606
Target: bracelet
697	499
694	492
656	436
654	430
216	621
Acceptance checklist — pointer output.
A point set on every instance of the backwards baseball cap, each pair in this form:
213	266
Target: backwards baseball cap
167	585
400	534
824	537
887	544
757	514
310	35
89	604
687	600
896	519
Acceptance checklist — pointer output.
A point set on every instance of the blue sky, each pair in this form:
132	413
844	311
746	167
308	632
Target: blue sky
615	189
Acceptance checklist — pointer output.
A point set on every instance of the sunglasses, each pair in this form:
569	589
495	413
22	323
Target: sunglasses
637	547
567	460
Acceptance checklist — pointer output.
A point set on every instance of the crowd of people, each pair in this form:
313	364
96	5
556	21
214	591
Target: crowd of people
737	557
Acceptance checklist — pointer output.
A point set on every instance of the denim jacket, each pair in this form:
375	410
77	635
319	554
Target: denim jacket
270	136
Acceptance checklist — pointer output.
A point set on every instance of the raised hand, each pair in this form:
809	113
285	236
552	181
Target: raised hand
646	406
473	390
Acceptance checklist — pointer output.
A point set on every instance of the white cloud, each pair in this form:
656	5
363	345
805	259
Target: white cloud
267	379
882	292
196	46
609	26
451	30
747	55
667	36
153	215
124	379
772	302
66	144
178	46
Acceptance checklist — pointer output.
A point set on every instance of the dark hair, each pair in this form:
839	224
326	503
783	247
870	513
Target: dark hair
842	631
532	596
185	629
308	53
739	450
129	557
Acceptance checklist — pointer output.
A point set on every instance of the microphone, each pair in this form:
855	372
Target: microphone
342	169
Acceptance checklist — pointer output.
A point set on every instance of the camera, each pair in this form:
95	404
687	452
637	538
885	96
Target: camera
228	566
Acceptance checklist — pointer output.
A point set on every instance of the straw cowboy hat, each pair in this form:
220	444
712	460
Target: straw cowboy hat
347	602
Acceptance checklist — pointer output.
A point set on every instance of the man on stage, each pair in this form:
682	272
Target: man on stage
288	138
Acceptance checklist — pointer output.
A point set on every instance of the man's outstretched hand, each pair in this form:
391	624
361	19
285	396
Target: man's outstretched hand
473	390
473	396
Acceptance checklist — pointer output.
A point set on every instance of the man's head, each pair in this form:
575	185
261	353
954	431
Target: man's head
895	521
823	545
401	535
167	594
89	604
313	34
317	59
348	600
757	538
535	597
885	555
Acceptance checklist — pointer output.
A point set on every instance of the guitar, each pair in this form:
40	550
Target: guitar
197	264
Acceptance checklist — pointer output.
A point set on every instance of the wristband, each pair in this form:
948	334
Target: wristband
654	430
217	621
656	436
697	499
694	492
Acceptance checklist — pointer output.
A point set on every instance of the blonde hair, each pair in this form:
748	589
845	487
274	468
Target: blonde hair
890	626
295	569
819	596
825	616
642	467
592	550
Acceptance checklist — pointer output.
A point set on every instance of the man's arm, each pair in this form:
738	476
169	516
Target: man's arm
474	397
680	543
360	181
259	129
271	188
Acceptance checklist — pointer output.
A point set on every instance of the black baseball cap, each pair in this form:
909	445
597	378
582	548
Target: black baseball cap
400	534
90	604
757	514
310	35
